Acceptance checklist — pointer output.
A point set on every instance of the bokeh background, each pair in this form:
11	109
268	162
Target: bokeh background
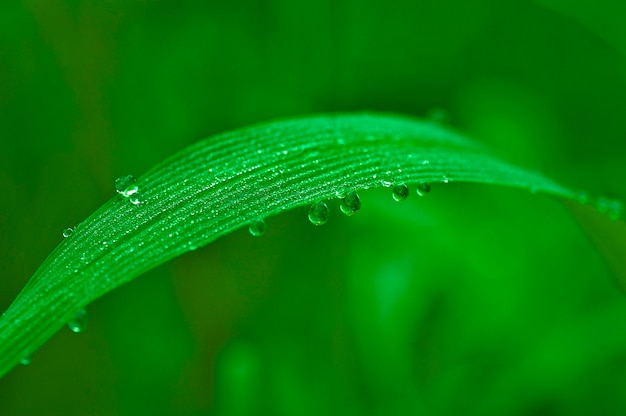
474	300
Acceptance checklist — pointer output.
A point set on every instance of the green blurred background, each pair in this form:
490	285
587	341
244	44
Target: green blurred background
472	301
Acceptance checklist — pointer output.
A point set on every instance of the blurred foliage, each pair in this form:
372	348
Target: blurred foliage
473	300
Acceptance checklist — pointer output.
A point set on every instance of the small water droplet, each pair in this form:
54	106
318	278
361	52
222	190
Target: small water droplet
257	227
25	360
350	204
612	207
79	323
387	180
318	213
386	183
135	199
582	197
400	192
445	179
126	186
616	210
423	188
67	232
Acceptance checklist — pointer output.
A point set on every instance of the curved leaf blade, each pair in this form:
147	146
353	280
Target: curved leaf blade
224	182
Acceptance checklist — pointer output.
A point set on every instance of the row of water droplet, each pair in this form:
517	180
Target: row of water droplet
350	204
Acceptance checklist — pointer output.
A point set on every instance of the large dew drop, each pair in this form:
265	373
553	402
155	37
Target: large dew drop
257	228
350	204
318	213
79	323
400	192
126	186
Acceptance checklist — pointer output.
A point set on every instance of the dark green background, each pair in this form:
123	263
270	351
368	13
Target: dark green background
472	301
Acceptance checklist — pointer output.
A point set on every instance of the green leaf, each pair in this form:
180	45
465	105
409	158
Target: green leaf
228	181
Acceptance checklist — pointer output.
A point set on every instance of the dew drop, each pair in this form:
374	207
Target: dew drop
423	188
67	232
350	204
25	360
612	207
135	199
318	213
445	179
400	192
582	197
387	180
79	323
126	186
257	227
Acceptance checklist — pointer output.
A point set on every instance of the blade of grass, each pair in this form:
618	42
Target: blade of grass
222	183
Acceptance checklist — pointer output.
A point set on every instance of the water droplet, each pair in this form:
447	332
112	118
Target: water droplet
67	232
257	227
423	188
612	207
135	199
350	204
25	360
387	180
400	192
582	197
445	179
318	213
79	323
126	186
